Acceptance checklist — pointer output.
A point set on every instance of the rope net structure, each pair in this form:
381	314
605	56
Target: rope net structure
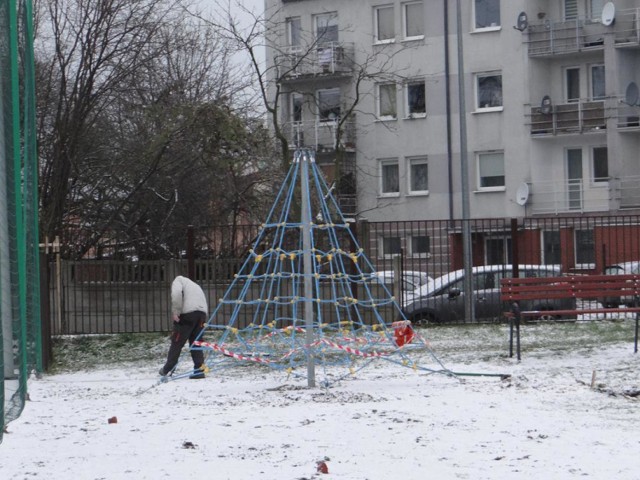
20	327
307	295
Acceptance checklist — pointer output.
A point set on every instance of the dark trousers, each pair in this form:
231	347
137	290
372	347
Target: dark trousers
187	328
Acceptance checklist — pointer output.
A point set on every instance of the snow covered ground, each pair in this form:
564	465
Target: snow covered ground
569	410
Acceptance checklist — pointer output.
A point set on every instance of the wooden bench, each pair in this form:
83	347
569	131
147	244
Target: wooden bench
579	287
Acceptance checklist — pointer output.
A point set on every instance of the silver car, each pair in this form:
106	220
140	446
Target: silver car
443	300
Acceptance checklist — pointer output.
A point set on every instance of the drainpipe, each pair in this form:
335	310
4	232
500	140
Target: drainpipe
448	107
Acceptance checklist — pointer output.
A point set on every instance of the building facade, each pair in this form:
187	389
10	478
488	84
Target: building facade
551	105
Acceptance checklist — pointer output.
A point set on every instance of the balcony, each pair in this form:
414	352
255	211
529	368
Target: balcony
629	188
569	118
321	136
565	37
628	118
568	196
627	28
325	60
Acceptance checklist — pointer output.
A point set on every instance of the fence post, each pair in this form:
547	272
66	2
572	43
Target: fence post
190	253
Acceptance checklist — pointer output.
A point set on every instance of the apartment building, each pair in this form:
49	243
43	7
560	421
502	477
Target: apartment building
551	112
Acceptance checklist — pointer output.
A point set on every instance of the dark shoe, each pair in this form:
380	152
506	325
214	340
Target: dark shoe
161	372
197	374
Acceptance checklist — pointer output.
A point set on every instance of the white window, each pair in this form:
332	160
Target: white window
600	158
551	247
413	21
389	177
384	24
572	84
294	31
597	82
328	104
326	28
297	101
595	9
491	171
420	246
487	14
489	91
416	104
390	245
418	175
585	248
497	251
570	9
387	101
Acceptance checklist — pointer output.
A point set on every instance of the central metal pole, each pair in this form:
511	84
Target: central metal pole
469	304
305	158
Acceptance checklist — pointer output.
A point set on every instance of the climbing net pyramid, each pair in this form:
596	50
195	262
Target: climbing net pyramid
306	295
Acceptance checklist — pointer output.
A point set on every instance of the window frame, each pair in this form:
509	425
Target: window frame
322	118
376	24
384	241
567	88
492	188
592	83
394	98
412	252
411	161
331	17
386	162
407	105
551	247
405	19
490	28
604	180
290	22
590	261
480	75
292	107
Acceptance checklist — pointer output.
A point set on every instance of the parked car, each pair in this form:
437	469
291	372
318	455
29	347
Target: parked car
443	300
624	268
411	279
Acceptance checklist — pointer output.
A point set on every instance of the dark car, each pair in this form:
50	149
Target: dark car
624	268
443	300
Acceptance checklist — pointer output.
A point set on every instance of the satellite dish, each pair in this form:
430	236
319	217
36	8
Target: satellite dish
522	194
522	22
608	14
631	95
545	105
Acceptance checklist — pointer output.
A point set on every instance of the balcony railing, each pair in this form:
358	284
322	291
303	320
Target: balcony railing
629	187
628	117
567	118
566	196
322	136
627	27
323	60
562	37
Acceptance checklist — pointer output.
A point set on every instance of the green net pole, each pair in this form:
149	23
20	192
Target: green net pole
31	183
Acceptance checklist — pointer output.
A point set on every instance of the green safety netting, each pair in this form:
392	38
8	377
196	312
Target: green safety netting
20	331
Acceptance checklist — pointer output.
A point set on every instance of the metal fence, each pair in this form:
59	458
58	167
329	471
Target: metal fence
109	296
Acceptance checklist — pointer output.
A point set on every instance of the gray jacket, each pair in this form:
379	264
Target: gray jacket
187	296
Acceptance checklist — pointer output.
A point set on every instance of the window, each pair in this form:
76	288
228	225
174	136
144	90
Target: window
329	104
326	27
391	246
572	84
570	9
296	107
600	164
585	247
384	24
389	177
420	246
491	171
597	82
489	91
487	13
416	106
413	21
418	175
497	250
551	246
574	178
595	9
387	101
294	31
